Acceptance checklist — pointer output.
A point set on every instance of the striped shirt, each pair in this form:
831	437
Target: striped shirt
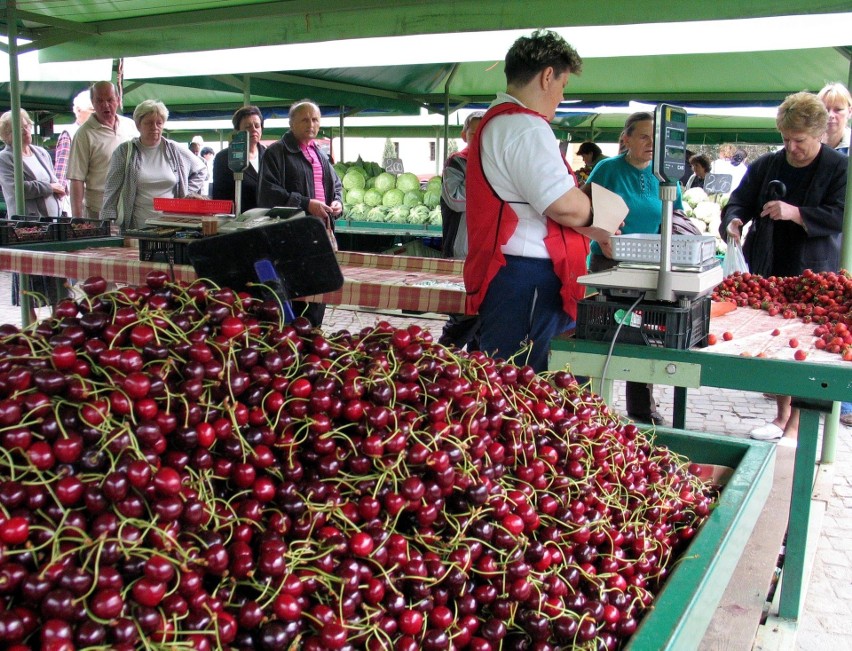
309	150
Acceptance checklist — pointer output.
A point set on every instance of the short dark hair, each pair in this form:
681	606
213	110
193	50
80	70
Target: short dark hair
207	150
529	55
243	112
589	147
700	159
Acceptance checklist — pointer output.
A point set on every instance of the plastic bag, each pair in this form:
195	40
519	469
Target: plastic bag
734	259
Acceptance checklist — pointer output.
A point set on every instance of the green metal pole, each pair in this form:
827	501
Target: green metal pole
832	419
800	513
15	104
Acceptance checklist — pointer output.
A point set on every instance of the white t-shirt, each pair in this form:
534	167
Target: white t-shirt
156	179
521	159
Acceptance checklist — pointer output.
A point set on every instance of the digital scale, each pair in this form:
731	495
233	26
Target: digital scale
658	278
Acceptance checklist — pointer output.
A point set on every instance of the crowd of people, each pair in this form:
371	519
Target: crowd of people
513	208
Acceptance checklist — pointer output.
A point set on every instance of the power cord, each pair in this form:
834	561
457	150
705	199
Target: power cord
615	336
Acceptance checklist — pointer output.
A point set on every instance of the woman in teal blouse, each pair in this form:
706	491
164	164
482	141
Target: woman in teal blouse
629	175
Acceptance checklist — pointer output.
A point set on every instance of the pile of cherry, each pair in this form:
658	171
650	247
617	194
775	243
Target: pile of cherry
181	470
823	298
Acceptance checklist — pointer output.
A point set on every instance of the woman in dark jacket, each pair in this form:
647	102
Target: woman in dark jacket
794	201
246	118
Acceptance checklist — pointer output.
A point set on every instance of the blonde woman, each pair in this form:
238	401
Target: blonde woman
43	193
149	167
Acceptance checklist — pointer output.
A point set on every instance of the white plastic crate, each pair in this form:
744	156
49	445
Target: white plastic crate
642	247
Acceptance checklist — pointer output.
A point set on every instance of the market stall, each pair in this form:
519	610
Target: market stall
372	281
752	359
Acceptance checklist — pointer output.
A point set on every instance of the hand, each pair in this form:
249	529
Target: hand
735	229
778	210
606	247
319	209
336	208
58	189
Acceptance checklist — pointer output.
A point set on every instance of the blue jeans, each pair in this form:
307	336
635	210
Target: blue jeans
845	408
523	305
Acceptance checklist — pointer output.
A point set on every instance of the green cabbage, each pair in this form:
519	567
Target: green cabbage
377	214
353	196
407	182
393	198
413	198
418	215
354	179
431	198
435	218
398	214
385	182
358	212
371	182
340	168
434	184
373	197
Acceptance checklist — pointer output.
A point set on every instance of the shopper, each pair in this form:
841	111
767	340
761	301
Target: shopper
802	229
91	149
245	118
295	172
149	167
460	330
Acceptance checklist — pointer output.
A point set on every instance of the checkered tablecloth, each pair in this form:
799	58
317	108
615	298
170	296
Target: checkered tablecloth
377	281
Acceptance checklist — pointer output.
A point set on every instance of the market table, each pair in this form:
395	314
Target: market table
370	280
753	360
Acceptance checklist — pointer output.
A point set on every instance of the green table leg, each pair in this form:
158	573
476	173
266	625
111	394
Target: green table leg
679	420
800	513
829	434
25	298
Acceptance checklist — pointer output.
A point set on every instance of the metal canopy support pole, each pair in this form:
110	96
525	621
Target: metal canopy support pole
832	419
15	104
341	134
447	83
246	90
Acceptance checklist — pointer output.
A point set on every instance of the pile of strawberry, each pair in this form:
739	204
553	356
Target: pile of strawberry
822	298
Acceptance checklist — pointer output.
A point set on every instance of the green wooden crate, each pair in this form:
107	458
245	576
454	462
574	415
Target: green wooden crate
683	609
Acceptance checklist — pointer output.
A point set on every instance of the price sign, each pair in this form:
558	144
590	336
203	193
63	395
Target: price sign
393	165
717	183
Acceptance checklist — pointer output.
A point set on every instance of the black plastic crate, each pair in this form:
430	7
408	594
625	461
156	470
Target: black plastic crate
666	325
79	228
171	250
26	232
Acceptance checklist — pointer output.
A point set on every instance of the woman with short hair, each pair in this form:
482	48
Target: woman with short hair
43	193
700	165
794	200
149	167
245	118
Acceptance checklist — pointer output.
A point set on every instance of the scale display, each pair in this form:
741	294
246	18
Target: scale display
238	152
669	162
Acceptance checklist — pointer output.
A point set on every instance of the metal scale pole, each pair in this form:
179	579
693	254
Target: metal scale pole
668	195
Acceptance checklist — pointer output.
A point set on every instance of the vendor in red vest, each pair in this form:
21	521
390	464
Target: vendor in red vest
524	256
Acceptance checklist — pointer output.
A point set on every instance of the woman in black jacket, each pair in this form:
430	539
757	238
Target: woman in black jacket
794	200
246	118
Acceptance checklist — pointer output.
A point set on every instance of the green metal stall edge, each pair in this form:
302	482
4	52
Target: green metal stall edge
682	611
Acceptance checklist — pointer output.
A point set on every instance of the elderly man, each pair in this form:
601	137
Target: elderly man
83	109
295	172
92	148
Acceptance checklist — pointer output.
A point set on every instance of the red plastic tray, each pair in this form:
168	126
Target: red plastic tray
194	206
